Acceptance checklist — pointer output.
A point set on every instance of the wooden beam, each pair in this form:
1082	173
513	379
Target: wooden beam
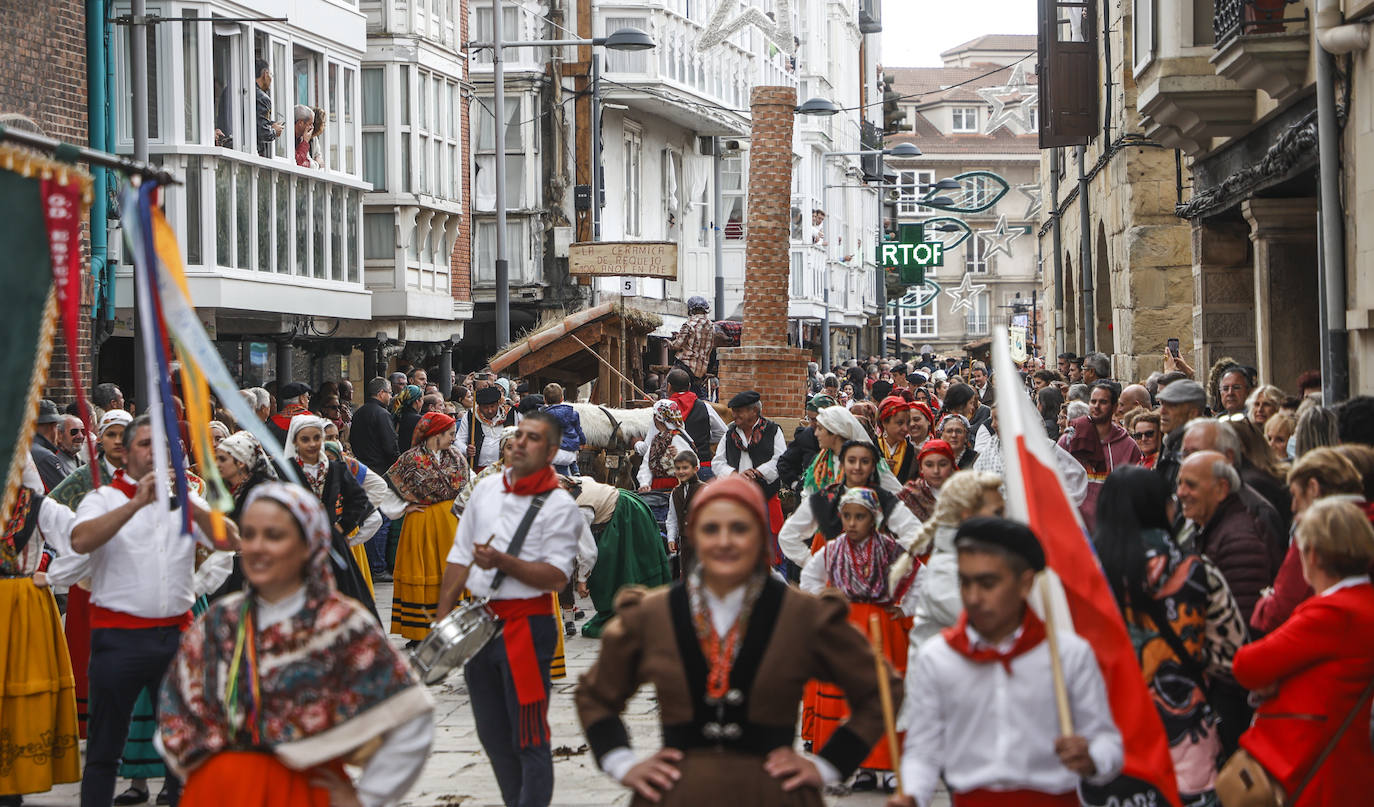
582	127
562	348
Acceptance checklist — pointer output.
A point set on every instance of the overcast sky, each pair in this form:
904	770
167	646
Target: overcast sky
915	31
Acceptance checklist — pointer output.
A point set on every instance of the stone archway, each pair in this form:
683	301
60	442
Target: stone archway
1102	294
1071	303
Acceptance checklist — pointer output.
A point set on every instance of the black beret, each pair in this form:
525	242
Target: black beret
917	379
294	390
746	398
530	403
489	395
1013	536
880	389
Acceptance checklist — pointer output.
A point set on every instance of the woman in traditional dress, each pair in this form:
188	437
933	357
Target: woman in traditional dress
342	496
428	477
243	466
405	411
38	732
656	479
460	502
357	539
277	687
921	423
894	416
833	427
954	429
729	650
934	464
856	564
817	517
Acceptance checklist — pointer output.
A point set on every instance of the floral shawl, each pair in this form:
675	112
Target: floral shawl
425	477
313	688
919	498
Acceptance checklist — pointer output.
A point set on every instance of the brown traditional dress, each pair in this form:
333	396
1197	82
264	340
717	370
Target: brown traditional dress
790	638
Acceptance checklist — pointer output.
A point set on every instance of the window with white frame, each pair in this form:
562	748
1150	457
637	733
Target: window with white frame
339	133
919	321
510	23
522	270
976	255
632	160
626	61
964	119
374	127
912	185
732	190
437	133
484	191
977	320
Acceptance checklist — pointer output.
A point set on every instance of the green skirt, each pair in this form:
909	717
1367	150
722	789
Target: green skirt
630	551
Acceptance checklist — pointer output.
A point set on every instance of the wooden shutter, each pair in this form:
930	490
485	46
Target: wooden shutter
1068	80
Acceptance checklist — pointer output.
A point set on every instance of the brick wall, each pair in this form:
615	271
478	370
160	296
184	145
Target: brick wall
764	362
45	81
461	266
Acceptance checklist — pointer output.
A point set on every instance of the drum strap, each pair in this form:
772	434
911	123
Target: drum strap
517	541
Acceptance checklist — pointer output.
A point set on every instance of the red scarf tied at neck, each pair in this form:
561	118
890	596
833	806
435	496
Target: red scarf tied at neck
538	482
1032	634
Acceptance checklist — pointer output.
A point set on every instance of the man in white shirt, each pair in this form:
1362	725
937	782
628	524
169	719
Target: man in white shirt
483	446
979	697
751	447
142	587
508	680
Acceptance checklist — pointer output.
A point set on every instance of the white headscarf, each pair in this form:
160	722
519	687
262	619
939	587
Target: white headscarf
302	422
839	420
114	417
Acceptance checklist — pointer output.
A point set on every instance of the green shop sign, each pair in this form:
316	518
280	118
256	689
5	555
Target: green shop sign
911	254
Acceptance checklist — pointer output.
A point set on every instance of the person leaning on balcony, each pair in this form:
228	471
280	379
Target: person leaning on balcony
305	123
267	129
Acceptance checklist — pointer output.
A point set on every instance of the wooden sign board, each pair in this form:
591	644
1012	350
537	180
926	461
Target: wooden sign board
628	258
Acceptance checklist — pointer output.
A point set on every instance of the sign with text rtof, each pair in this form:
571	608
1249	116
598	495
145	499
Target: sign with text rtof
628	258
911	254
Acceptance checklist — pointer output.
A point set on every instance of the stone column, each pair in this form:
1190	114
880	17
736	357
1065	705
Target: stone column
445	380
1284	232
1223	296
285	370
764	362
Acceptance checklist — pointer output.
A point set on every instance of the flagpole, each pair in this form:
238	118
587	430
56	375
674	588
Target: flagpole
1061	691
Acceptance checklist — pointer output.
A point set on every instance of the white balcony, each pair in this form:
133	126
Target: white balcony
262	235
680	83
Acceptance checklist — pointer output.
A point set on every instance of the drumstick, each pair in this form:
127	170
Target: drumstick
875	637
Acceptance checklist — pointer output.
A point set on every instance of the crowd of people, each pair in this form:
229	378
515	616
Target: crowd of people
751	578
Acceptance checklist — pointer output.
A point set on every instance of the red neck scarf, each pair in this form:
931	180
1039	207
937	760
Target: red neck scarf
538	482
124	484
685	401
1032	634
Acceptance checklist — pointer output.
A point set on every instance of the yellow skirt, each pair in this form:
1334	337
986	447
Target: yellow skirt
421	555
360	555
38	740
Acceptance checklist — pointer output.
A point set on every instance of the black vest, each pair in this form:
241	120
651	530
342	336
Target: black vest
697	424
759	453
476	434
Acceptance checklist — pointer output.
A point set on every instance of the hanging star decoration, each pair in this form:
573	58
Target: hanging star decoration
964	293
1012	103
1030	190
722	26
999	238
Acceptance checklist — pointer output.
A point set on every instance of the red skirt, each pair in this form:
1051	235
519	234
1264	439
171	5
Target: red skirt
78	631
1015	798
824	707
235	778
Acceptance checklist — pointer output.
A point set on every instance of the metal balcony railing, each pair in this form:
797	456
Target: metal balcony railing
1233	18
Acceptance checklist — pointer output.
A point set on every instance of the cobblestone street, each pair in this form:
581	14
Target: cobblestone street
458	774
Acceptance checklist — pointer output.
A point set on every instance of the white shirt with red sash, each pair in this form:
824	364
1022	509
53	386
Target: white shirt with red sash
990	724
147	570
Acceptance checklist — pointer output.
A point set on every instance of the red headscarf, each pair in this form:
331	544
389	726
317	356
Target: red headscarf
924	409
430	424
892	405
935	447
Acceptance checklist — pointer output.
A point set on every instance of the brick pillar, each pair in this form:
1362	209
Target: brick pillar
764	362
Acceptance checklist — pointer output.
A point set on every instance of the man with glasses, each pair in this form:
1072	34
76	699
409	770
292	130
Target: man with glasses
71	440
1233	388
1145	431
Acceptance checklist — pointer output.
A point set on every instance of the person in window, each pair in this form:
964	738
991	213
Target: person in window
817	226
316	150
267	129
305	124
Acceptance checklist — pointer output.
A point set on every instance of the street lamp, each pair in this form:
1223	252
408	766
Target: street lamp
817	107
627	39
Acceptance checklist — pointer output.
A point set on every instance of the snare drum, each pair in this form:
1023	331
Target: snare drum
454	640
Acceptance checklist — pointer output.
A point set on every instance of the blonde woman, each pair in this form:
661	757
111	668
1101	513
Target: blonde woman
1264	403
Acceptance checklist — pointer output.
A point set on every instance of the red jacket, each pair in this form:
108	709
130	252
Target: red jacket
1322	658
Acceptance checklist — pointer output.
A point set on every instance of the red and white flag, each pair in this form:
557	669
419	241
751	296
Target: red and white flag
1035	496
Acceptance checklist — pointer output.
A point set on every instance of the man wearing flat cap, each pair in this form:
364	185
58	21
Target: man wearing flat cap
482	444
980	710
695	342
1179	403
295	400
752	446
53	465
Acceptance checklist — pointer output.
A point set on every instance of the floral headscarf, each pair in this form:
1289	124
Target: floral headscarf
864	497
667	412
857	564
315	687
404	399
431	423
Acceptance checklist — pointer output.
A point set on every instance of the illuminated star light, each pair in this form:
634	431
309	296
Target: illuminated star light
1031	191
1012	103
963	294
1000	237
721	27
